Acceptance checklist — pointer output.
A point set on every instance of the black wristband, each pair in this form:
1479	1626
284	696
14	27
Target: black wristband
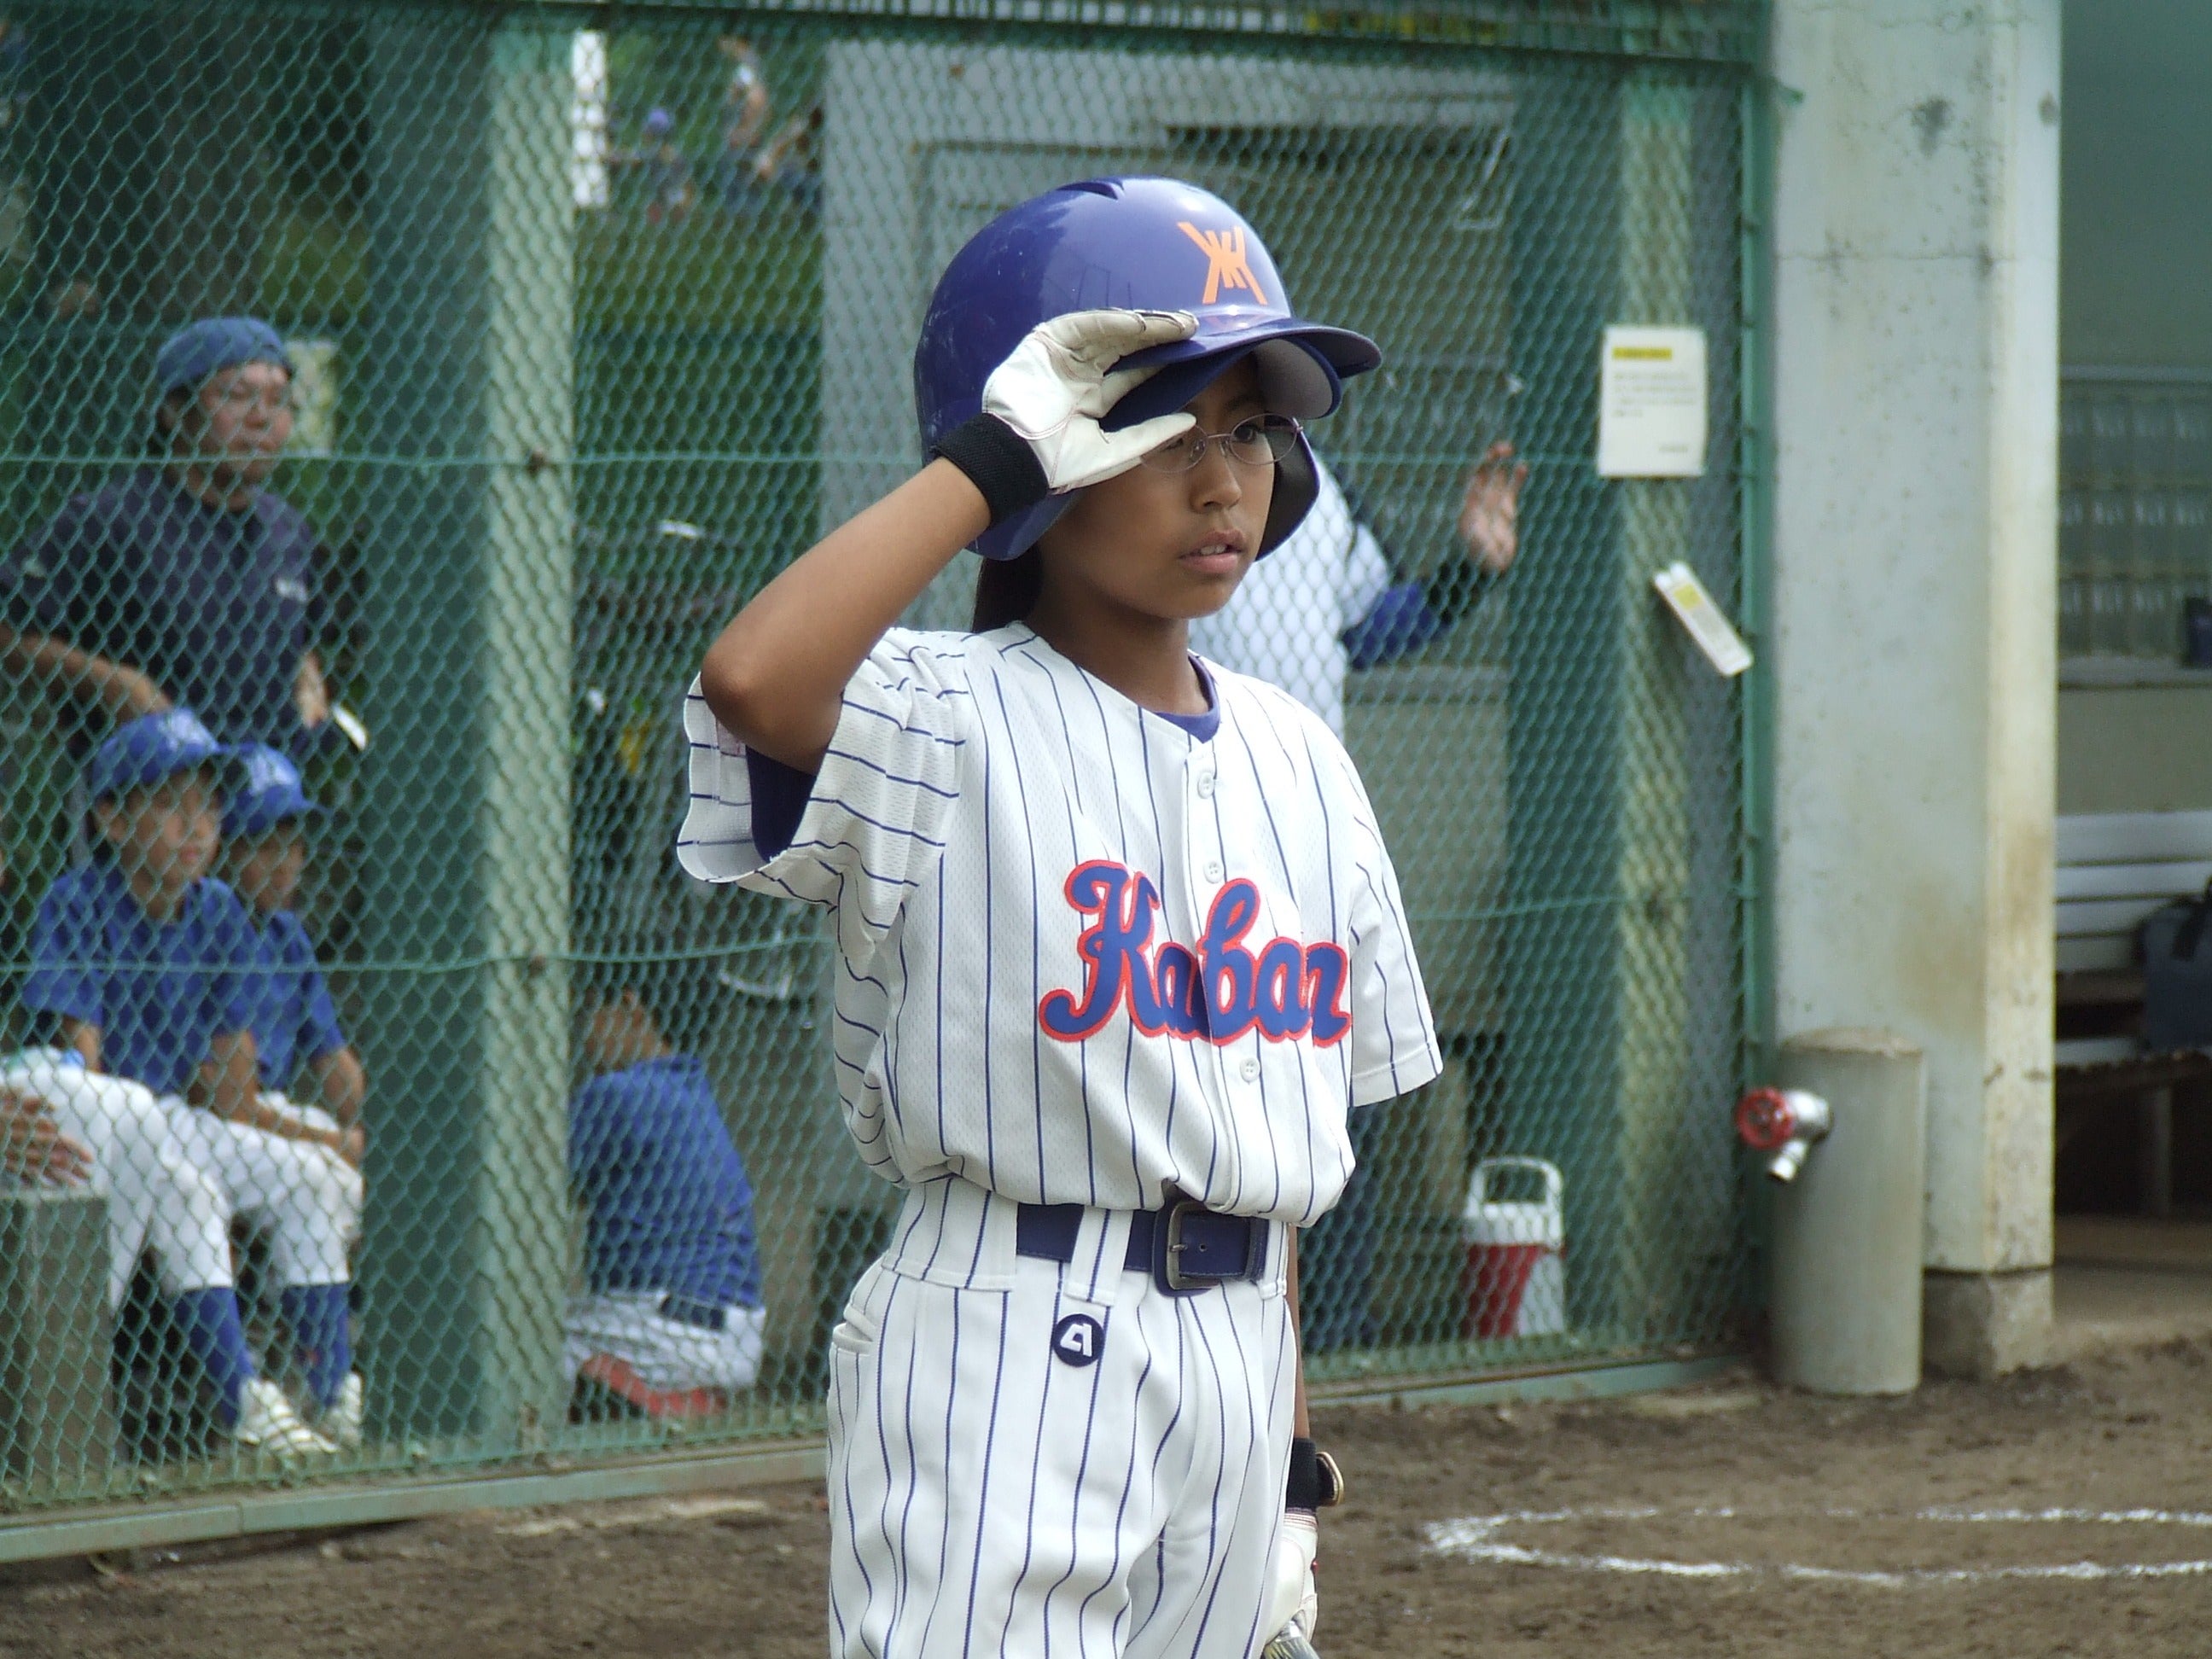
1455	591
998	461
1302	1490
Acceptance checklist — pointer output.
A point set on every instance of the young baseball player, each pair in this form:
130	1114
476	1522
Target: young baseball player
65	1124
670	1322
142	960
1120	947
294	1022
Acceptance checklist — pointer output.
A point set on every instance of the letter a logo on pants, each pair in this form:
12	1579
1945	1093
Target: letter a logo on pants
1078	1339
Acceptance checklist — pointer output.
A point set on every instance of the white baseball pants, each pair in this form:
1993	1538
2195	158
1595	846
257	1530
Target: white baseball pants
1032	1458
157	1198
669	1354
303	1199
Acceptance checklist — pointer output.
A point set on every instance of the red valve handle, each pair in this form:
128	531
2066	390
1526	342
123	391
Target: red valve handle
1765	1121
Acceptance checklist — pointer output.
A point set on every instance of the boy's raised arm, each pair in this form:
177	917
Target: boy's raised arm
776	676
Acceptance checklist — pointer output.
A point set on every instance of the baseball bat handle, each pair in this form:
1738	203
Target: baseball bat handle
1289	1644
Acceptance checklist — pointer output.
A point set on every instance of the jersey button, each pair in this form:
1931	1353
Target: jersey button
1213	870
1250	1071
1205	785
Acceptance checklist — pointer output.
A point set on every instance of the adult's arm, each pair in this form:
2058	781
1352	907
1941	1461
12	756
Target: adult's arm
311	691
1407	616
52	590
123	692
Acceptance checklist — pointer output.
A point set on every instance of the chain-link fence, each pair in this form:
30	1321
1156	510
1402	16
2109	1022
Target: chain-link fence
590	320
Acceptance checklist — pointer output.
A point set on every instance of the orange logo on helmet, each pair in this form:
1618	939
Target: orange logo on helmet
1226	264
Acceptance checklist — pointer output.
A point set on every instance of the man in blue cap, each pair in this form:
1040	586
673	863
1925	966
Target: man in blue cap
185	582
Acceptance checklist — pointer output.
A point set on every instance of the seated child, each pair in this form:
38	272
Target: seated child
295	1023
669	1322
139	958
65	1124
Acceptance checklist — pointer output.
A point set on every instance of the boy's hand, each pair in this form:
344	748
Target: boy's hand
353	1145
1061	381
1039	433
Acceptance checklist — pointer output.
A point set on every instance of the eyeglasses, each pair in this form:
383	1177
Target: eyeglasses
1261	441
240	395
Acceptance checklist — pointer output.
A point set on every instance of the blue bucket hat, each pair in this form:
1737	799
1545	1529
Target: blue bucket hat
213	344
271	794
157	746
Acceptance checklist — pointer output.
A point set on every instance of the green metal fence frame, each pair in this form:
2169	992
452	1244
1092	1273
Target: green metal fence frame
1727	34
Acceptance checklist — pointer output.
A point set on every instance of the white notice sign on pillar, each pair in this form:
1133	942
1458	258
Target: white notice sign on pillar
1651	403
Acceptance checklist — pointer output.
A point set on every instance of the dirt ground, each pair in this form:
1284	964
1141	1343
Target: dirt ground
2061	1512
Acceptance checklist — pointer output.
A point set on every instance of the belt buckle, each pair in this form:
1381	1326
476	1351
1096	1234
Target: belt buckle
1168	1248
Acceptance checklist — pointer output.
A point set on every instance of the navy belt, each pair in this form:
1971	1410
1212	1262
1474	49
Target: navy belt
1185	1248
690	1310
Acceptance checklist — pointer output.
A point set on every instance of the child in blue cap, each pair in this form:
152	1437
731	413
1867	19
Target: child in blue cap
143	960
295	1023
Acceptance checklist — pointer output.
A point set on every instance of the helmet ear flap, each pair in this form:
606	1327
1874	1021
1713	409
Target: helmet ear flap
1296	489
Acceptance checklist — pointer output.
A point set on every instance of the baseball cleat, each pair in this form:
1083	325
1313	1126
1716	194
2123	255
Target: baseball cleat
340	1421
269	1423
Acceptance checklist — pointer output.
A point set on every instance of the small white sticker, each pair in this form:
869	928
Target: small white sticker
1686	597
1651	403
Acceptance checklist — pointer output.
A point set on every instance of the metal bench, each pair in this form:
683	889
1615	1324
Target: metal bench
2114	871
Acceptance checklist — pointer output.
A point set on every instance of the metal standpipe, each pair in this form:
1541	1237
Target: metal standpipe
1848	1223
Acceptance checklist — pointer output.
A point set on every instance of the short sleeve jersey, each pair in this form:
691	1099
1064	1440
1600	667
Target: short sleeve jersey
158	992
671	1208
293	1020
1086	953
217	607
1287	622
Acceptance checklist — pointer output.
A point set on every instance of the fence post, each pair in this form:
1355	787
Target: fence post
468	412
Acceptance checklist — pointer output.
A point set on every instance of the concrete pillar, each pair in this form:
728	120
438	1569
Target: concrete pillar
467	396
1846	1308
1911	629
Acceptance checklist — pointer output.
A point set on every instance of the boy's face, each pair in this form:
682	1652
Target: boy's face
265	869
164	834
616	1031
1167	544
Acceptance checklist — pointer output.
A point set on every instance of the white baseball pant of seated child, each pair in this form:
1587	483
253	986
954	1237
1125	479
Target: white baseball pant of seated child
158	1198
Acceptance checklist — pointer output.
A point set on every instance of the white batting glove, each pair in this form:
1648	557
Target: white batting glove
1039	432
1060	380
1290	1599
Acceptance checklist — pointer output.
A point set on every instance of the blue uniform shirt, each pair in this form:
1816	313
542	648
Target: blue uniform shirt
217	607
670	1208
293	1019
158	992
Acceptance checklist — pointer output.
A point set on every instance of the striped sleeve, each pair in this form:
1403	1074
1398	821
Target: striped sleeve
1393	1035
875	816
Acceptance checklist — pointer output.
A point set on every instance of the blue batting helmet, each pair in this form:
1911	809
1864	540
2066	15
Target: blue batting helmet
1134	243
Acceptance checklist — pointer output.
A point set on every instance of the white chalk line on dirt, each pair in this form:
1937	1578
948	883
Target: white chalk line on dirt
1474	1538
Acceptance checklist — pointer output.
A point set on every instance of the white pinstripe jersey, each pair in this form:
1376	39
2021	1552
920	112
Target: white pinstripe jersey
1084	954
